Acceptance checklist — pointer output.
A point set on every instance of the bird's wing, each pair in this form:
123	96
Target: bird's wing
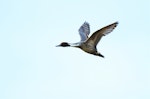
84	31
96	36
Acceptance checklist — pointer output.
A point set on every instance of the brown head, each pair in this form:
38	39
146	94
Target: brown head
63	44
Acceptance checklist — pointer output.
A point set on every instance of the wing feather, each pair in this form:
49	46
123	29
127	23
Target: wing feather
84	31
96	36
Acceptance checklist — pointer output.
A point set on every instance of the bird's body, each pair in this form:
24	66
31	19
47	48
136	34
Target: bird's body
89	48
88	44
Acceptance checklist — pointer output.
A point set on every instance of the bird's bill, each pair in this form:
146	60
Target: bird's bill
57	45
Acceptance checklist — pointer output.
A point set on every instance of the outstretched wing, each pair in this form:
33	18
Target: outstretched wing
95	38
84	31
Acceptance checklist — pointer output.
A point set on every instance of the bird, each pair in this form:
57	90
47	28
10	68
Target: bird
88	44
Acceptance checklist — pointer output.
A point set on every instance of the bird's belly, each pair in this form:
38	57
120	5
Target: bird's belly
88	49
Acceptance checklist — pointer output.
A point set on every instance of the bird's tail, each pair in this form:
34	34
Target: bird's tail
98	54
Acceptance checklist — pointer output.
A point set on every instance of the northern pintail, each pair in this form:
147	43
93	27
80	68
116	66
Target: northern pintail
88	44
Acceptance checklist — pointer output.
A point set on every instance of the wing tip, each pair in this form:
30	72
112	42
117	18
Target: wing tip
85	22
116	23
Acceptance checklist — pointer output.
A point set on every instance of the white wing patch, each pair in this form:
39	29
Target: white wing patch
84	31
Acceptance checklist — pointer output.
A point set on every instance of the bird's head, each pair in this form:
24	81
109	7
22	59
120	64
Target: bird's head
63	44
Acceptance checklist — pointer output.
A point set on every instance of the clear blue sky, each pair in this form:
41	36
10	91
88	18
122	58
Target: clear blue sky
31	67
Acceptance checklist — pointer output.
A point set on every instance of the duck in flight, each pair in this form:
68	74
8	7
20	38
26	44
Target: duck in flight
88	44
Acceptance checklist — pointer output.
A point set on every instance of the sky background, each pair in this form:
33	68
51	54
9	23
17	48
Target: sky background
31	67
